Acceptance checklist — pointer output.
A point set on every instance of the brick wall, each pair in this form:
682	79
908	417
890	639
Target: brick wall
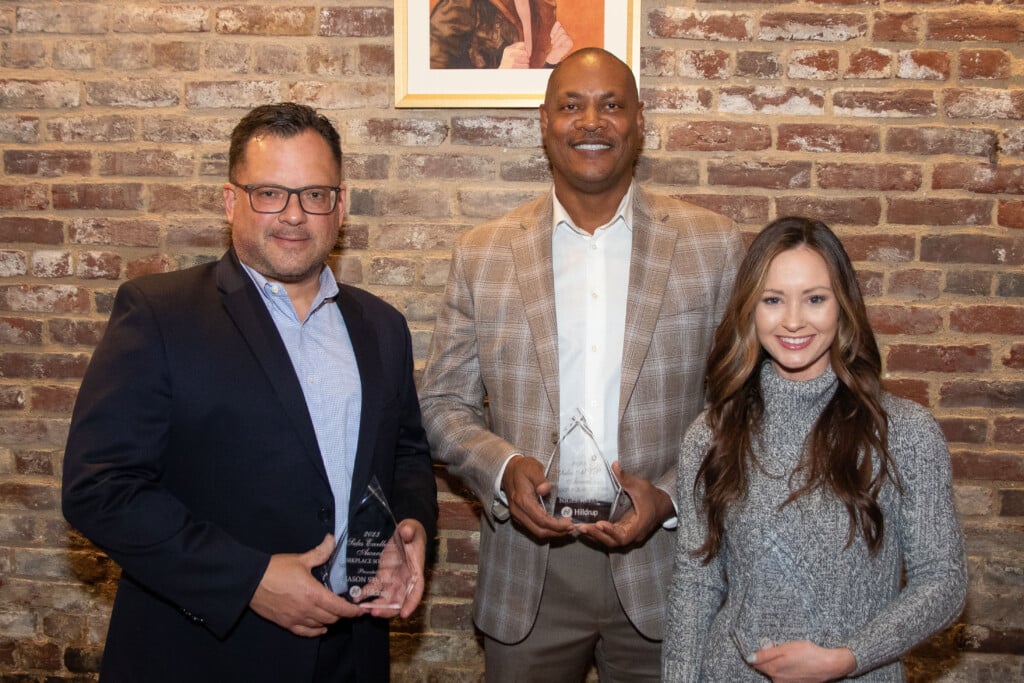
899	123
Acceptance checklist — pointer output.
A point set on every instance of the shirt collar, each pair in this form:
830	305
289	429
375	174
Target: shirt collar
624	212
271	289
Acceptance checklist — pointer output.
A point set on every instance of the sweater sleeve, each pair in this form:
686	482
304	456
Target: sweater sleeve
696	590
930	539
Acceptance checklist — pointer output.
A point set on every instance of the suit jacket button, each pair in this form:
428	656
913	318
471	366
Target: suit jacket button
554	438
324	515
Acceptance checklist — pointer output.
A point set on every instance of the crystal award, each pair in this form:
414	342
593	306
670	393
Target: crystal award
586	490
369	563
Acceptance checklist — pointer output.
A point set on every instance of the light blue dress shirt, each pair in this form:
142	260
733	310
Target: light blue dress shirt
321	353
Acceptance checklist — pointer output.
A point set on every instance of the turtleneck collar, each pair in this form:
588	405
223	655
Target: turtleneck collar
786	395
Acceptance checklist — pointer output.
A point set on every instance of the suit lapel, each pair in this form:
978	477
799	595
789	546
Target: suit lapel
531	253
649	268
245	308
365	346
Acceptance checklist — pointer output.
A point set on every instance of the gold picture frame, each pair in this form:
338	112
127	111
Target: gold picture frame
417	85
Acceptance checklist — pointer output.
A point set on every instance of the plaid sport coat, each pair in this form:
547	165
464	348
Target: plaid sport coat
496	336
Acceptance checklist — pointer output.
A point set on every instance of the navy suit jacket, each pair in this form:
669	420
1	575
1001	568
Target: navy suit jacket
191	459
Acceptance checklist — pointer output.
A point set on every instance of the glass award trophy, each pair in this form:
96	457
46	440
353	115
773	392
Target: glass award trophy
369	563
586	490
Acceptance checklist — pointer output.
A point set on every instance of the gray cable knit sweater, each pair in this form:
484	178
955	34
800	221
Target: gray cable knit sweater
785	574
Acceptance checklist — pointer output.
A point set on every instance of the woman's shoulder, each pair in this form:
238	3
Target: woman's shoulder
698	434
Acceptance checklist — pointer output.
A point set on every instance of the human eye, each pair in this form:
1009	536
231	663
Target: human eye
818	298
770	300
267	192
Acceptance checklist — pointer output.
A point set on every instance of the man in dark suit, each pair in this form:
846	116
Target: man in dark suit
231	418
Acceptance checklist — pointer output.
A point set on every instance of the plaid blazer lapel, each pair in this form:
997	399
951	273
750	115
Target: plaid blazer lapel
649	268
531	252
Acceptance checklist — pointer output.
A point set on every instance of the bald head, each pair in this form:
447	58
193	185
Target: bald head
590	58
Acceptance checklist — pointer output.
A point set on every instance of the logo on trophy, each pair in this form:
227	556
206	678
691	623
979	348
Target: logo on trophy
586	490
369	563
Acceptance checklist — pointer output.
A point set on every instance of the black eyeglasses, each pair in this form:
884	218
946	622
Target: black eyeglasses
313	199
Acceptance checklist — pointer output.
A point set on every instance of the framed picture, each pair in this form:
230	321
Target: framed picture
442	61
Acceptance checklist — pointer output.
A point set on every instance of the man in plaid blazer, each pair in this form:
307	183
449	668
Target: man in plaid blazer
524	309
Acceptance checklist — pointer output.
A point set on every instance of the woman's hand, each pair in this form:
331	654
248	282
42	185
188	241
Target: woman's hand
801	661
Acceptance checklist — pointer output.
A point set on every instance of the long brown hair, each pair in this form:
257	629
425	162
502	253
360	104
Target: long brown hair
847	450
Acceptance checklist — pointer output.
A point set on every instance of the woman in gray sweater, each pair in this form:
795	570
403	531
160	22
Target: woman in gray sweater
806	490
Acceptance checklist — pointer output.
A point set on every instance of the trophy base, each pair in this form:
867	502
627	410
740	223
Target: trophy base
583	511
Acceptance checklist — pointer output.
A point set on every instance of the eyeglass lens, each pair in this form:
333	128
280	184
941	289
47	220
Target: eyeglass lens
274	199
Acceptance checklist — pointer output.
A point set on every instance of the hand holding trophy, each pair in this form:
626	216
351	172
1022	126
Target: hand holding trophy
370	565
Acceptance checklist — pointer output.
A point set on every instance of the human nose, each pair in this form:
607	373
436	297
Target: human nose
793	317
590	119
293	211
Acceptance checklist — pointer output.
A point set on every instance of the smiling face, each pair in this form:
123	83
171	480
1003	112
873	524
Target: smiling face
797	317
591	123
289	247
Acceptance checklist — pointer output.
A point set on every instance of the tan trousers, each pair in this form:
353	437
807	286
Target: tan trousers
580	623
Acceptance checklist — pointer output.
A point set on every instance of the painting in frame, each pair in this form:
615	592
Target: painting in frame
611	24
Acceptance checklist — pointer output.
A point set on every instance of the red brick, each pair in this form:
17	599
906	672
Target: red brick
753	64
534	169
456	583
881	177
832	28
980	178
1013	142
995	27
1010	214
987	319
185	198
98	197
53	399
744	209
870	282
12	398
376	60
1010	284
885	247
131	18
988	466
75	332
981	394
357	22
972	248
935	140
21	129
156	263
23	55
704	64
656	61
23	197
107	128
20	331
771	100
266	21
957	430
141	92
935	358
230	94
19	94
820	65
44	298
1015	359
870	63
807	137
463	515
905	211
114	232
178	56
99	265
906	320
885	103
152	162
413	202
984	103
47	163
691	100
1008	430
891	27
444	166
929	65
833	210
278	59
916	283
51	264
45	18
969	283
672	170
985	63
34	463
717	136
32	230
423	132
676	22
495	131
779	176
48	366
912	389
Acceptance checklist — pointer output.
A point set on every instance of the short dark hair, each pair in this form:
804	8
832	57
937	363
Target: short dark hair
283	119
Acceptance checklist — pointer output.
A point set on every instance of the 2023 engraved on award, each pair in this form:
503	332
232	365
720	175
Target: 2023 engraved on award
370	564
